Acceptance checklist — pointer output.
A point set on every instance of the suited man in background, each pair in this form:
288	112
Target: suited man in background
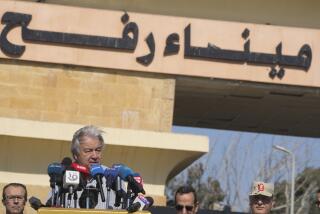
14	197
186	200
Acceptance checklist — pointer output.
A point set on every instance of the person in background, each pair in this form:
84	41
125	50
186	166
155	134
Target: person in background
14	197
186	200
261	198
318	199
315	206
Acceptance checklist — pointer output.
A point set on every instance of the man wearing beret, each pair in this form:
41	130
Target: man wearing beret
261	198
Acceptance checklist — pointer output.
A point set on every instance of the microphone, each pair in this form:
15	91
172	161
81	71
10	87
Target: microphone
71	180
140	203
35	203
89	198
127	174
55	172
118	186
71	177
120	191
84	174
80	168
111	175
97	172
66	161
138	178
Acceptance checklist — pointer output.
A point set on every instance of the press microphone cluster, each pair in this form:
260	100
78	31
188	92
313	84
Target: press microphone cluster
67	178
126	184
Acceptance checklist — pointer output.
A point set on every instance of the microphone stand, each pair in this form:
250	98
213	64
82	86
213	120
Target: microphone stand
62	199
108	198
87	199
53	197
70	193
127	199
75	198
69	200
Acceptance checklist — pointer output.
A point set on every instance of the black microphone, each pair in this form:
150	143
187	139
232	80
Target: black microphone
35	203
119	188
133	207
89	198
127	174
66	161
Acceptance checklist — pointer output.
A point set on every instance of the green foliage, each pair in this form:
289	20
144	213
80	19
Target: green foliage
208	189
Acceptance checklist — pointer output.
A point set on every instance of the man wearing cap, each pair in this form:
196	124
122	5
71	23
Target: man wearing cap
261	197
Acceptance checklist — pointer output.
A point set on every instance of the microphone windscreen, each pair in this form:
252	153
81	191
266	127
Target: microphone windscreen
110	174
66	161
71	179
96	169
55	168
145	202
138	178
35	203
151	201
80	168
124	172
134	207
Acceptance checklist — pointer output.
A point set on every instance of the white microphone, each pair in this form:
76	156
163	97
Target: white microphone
140	203
71	178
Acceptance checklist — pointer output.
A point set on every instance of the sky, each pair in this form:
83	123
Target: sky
237	159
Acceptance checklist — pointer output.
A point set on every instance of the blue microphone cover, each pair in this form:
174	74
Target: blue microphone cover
111	175
124	172
96	169
55	168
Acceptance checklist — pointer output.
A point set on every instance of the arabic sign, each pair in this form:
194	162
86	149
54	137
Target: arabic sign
157	44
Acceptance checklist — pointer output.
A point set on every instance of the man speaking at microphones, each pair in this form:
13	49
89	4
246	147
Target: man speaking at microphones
86	147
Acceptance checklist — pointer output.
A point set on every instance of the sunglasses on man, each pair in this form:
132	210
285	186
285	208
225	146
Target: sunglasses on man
260	198
180	207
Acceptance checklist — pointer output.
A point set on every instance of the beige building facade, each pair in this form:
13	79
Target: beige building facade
136	68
